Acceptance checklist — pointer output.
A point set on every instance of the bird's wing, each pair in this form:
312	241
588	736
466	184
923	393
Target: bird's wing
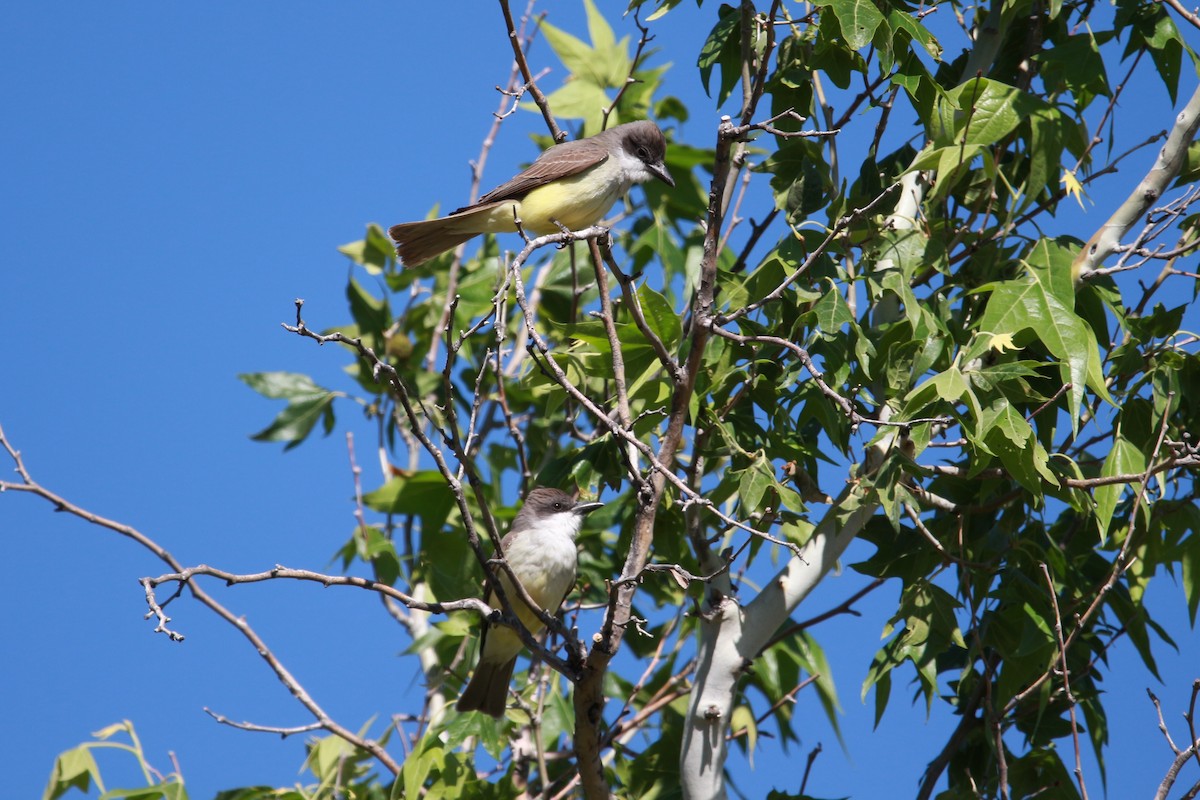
567	161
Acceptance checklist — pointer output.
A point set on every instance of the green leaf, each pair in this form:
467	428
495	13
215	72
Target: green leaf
981	112
989	111
376	549
371	315
905	249
74	769
464	727
375	253
162	791
858	20
967	122
799	178
296	421
662	319
899	20
579	100
949	386
811	657
928	628
598	28
573	52
604	64
756	480
283	385
261	793
797	531
1010	437
882	681
723	49
1190	558
1027	304
426	758
1133	617
1045	155
424	495
1123	459
1159	323
663	7
833	312
653	773
1074	65
1166	48
325	756
1050	261
742	722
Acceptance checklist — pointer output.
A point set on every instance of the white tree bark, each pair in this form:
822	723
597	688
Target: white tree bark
1129	213
732	636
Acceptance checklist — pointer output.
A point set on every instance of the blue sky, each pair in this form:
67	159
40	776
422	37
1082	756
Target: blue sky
174	177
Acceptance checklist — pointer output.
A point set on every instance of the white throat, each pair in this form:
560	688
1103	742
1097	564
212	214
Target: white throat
633	169
564	524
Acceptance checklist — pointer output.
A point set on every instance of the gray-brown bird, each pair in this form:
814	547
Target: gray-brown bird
540	548
572	185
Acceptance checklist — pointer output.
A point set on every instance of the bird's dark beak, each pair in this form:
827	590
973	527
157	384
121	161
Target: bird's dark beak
583	509
659	170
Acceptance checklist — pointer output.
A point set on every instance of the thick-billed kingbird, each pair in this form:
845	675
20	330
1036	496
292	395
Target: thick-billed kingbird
540	548
571	185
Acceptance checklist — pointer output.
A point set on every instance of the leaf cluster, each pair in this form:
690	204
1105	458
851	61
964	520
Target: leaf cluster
902	315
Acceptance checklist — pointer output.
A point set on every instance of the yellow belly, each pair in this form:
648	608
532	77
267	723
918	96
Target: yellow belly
576	202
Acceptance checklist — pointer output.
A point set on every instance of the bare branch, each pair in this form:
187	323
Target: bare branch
27	484
1066	677
514	38
283	733
1190	16
280	572
644	39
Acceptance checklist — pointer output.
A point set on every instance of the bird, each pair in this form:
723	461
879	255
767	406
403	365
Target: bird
570	186
540	549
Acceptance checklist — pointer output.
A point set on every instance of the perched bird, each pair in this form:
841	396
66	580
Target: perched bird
540	548
571	185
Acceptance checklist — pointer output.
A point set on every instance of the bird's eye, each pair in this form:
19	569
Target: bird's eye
643	154
558	506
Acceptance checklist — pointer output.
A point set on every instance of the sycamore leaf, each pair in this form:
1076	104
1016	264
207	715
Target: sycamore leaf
1001	342
1026	304
1123	459
743	722
858	20
1072	186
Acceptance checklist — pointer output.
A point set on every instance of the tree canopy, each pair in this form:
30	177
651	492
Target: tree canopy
864	312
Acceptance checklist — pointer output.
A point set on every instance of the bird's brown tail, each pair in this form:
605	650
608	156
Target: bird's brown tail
417	242
487	691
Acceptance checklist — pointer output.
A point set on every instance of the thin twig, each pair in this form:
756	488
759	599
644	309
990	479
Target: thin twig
27	484
519	54
1066	677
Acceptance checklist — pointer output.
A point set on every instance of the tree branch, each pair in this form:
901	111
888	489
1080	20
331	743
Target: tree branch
1105	240
27	484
